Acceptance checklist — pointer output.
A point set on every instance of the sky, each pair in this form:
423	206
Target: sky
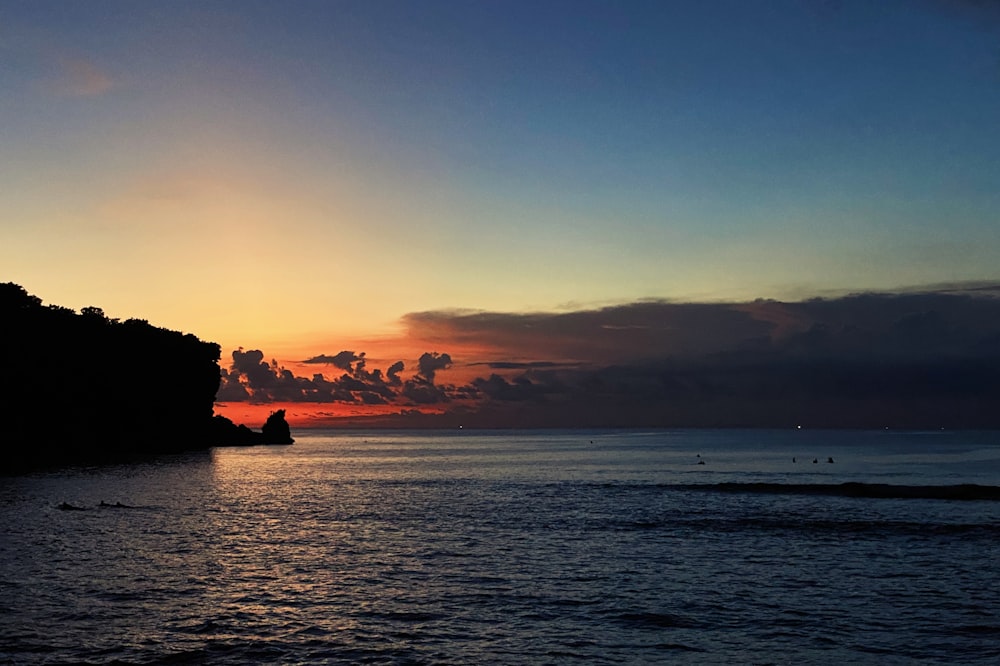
425	180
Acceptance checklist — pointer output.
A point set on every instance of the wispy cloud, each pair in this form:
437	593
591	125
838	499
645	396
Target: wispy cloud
80	77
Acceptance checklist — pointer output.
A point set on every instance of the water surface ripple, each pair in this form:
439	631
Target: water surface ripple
437	548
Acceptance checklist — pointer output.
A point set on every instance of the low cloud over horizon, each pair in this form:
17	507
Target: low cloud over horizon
908	359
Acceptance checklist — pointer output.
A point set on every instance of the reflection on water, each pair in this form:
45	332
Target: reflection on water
507	548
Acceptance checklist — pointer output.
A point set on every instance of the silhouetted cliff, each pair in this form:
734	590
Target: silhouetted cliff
83	387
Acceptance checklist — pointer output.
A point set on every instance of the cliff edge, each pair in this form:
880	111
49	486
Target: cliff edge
82	387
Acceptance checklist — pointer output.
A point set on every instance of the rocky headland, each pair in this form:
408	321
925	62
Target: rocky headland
82	387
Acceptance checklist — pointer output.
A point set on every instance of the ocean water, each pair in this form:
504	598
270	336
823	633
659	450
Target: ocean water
688	547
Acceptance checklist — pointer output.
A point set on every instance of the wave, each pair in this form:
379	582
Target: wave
965	491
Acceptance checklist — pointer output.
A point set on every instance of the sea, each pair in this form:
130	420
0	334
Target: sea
514	547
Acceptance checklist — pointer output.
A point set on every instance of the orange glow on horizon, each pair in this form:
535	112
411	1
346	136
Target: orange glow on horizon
313	414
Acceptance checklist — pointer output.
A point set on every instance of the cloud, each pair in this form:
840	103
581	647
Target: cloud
431	362
231	389
251	364
393	373
251	379
423	392
79	77
514	365
520	389
342	360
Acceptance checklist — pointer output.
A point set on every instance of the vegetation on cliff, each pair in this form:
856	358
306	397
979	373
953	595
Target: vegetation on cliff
81	387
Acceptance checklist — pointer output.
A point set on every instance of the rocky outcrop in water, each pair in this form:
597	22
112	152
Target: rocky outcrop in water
276	430
82	387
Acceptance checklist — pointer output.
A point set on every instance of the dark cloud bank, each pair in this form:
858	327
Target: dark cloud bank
902	360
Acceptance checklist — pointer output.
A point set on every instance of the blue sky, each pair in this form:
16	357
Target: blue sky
282	174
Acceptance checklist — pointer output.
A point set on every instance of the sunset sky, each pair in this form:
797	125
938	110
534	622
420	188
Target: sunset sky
408	178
